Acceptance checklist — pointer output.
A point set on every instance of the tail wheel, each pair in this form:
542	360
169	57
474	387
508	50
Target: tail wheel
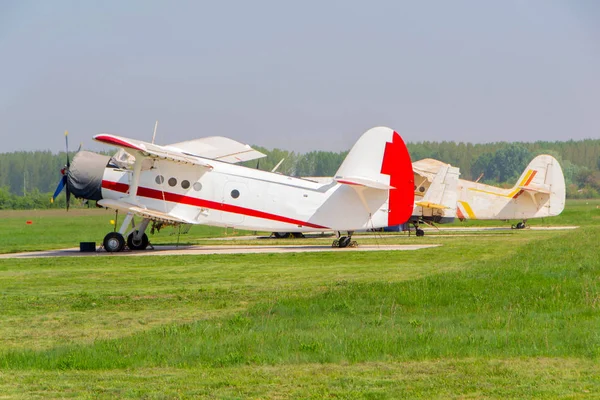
114	242
139	244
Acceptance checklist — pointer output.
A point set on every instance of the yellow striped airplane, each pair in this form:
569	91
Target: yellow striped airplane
441	197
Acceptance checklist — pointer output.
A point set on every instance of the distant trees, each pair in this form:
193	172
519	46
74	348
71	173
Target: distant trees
505	165
34	199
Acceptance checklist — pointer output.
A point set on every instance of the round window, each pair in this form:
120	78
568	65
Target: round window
185	184
235	193
197	186
421	189
160	179
172	181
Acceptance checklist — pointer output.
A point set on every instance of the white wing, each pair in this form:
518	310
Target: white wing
218	148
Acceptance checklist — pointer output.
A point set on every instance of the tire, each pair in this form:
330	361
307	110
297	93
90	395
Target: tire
345	241
139	244
114	242
282	235
520	225
420	232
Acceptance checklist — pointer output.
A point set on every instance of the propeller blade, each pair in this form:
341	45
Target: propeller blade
65	177
67	147
68	195
59	188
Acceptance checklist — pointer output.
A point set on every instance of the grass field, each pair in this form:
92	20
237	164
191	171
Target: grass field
507	314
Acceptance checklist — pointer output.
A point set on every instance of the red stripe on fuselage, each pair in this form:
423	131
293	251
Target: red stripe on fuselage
194	201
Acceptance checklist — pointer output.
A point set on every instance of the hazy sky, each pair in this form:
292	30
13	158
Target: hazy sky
302	75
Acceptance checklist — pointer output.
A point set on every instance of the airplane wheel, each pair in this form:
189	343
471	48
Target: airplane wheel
345	241
140	244
520	225
114	242
420	232
282	235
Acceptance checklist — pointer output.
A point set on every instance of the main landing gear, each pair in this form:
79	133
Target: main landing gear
520	225
137	239
344	241
418	231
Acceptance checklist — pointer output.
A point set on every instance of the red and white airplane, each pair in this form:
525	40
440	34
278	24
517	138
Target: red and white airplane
198	182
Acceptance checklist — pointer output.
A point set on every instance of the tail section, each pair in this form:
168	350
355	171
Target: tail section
544	182
439	202
380	160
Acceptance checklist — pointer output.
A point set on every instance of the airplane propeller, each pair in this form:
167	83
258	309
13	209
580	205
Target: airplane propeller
64	182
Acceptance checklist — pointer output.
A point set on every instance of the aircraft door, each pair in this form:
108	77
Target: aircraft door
233	197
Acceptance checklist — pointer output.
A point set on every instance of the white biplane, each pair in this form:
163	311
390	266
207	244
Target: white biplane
198	182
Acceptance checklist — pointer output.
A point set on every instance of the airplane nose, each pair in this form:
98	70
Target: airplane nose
85	175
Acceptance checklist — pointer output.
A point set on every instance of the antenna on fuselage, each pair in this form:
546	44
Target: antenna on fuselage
278	164
154	134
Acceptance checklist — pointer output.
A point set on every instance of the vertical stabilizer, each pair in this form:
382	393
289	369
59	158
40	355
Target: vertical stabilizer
380	160
543	179
442	194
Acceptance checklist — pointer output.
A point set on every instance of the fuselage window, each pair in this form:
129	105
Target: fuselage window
159	179
197	186
172	181
235	193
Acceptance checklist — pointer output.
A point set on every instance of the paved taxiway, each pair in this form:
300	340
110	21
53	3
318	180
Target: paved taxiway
203	250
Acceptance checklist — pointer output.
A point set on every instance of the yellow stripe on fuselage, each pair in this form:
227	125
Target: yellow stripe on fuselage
468	209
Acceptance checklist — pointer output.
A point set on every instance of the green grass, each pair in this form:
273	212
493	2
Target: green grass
56	229
496	316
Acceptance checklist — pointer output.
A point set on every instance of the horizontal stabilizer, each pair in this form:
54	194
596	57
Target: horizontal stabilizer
142	212
536	189
358	181
428	204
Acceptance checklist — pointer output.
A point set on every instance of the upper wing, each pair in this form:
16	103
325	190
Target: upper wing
218	148
151	150
190	152
427	168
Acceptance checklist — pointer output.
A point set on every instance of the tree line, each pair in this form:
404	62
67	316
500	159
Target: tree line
28	179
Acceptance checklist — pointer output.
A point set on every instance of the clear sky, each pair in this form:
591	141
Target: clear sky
298	75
